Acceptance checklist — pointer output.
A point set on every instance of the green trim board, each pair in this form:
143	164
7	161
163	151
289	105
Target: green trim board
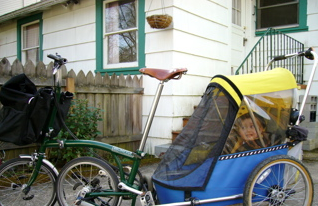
302	21
20	22
100	46
124	71
99	35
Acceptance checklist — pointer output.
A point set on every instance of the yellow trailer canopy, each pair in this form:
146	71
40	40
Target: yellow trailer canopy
274	80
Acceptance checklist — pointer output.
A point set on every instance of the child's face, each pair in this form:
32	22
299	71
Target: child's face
247	130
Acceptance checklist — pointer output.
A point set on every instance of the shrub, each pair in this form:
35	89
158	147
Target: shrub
82	121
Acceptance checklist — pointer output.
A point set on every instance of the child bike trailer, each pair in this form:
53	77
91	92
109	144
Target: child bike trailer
235	143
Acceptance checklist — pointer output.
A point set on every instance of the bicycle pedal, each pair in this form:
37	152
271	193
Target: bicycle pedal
147	199
15	186
28	198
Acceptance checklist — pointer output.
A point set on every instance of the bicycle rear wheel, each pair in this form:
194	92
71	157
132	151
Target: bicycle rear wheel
15	173
83	175
279	180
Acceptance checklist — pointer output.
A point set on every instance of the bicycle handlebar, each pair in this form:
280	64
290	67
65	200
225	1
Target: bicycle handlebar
306	54
278	58
57	59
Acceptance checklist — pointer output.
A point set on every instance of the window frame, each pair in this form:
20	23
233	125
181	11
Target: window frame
237	12
22	23
302	19
120	68
110	33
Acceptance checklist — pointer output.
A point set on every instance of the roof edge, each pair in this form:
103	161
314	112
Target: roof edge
29	9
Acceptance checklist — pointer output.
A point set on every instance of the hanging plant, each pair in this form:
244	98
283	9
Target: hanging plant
159	21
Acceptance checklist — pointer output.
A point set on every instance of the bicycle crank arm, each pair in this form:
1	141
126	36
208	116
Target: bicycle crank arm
123	186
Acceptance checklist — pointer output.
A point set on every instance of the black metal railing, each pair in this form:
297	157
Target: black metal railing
274	43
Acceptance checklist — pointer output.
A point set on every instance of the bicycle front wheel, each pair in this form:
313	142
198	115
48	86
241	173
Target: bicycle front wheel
15	173
83	175
279	180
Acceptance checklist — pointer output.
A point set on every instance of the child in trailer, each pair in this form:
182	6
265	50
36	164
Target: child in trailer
244	136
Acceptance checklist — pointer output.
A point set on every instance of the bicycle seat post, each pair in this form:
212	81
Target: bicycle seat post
163	76
151	115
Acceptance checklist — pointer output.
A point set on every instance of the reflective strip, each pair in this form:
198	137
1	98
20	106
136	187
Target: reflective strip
30	100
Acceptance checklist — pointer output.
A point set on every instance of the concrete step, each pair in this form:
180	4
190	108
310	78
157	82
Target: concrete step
160	150
311	155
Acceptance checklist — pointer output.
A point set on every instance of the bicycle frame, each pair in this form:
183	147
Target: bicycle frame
116	152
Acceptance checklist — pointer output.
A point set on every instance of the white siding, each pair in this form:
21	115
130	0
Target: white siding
68	31
29	2
8	42
310	39
198	39
8	6
73	36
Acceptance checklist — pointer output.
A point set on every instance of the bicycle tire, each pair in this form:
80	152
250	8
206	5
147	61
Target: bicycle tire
82	173
15	173
279	180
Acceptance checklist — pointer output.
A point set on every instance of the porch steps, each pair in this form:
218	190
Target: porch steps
176	133
161	149
184	122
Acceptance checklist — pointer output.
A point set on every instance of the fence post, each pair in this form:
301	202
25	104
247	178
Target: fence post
70	85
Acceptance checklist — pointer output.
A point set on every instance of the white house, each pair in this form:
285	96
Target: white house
208	37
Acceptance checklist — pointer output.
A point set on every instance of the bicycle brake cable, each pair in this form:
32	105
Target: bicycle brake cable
76	138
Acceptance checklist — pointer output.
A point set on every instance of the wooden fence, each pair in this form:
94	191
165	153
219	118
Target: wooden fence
119	98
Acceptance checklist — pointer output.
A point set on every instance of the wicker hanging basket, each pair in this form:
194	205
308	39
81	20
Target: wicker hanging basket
161	21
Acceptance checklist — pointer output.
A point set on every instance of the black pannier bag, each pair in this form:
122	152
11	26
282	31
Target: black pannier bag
25	111
63	107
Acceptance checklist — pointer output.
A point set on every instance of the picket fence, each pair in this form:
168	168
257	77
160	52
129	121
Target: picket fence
119	98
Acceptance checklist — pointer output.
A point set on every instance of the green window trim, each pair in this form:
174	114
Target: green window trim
302	21
100	47
20	22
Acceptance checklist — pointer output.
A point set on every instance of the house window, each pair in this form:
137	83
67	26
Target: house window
236	12
120	34
31	42
285	15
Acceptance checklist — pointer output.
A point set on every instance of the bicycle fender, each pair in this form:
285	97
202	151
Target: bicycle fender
45	161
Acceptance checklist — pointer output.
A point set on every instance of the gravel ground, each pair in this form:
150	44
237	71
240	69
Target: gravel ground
312	166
